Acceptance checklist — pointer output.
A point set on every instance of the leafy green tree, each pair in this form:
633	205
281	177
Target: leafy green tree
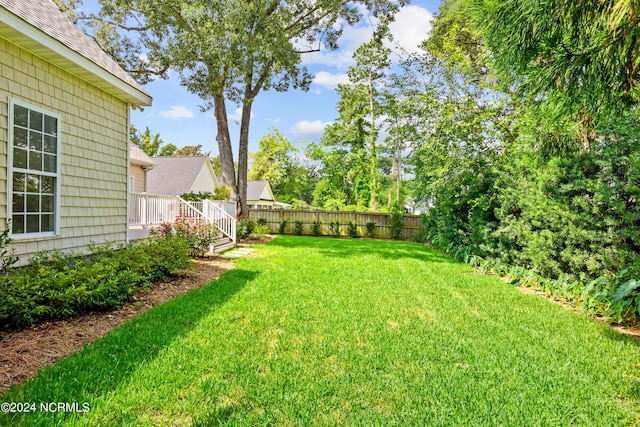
227	51
276	162
372	62
151	144
191	150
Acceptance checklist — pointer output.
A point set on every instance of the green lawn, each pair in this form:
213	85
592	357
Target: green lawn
348	332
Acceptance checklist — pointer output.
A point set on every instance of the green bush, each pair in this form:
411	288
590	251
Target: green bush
371	226
281	226
298	227
198	234
352	229
316	228
244	228
261	221
335	228
260	230
397	222
59	285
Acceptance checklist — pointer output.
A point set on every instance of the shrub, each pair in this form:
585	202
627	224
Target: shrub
61	285
7	257
371	226
261	221
397	221
352	229
198	234
244	228
315	228
282	226
335	228
260	230
298	227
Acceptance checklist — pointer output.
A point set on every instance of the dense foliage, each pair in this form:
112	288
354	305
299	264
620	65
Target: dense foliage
61	285
518	177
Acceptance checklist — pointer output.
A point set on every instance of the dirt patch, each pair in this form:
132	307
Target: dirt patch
23	352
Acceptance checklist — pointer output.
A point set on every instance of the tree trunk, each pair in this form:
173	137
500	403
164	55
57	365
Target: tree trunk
224	145
243	157
373	204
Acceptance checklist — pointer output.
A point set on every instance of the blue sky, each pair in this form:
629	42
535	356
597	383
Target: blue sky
301	116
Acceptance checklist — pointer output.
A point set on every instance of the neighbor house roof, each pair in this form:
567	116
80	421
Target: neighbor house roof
257	190
138	157
177	175
40	28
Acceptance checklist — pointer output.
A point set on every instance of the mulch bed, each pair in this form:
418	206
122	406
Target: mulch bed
25	351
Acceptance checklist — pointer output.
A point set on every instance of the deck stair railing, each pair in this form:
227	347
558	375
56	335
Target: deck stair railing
147	210
211	213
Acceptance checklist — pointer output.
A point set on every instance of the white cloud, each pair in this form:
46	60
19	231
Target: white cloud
237	115
330	80
309	130
411	27
176	112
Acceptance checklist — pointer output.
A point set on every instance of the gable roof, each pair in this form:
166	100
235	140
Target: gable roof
138	157
176	175
259	190
40	28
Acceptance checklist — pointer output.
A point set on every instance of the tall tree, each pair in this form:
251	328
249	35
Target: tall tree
582	58
151	144
228	51
277	162
372	62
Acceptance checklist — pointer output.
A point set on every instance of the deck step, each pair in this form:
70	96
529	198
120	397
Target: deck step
222	245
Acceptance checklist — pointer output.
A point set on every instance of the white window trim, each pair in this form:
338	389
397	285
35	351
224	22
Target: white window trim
26	236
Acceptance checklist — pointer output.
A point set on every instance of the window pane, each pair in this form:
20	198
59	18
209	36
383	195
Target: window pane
47	184
47	223
35	160
47	204
50	125
19	158
50	144
33	223
20	115
49	163
20	137
35	140
17	224
33	184
18	202
33	203
18	181
35	121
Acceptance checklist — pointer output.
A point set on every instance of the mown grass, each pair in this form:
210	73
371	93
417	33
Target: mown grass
348	332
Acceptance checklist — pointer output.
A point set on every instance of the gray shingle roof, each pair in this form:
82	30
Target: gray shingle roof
255	189
174	176
45	16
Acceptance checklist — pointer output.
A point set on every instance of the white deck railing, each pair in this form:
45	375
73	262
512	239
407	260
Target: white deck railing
211	213
147	210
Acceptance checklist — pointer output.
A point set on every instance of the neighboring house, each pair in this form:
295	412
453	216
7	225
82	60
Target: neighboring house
139	166
259	195
64	128
173	176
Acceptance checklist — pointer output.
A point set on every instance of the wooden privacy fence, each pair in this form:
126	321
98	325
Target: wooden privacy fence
274	218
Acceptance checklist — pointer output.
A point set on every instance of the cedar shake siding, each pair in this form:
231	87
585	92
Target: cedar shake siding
93	150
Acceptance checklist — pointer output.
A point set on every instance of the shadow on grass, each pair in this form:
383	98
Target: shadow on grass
386	249
101	367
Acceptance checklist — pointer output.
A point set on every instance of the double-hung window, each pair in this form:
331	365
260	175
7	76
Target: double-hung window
34	171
